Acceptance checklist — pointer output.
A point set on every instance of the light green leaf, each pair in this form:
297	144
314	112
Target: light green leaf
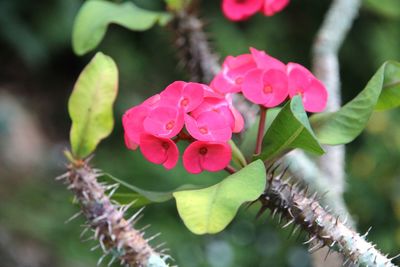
91	105
94	17
211	209
290	129
248	144
381	93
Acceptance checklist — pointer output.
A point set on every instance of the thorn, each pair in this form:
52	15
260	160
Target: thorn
310	240
398	255
62	176
101	259
327	254
261	211
288	223
73	217
134	216
315	248
111	261
365	235
153	237
274	213
94	248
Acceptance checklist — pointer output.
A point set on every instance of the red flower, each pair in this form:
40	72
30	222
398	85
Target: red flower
207	156
237	10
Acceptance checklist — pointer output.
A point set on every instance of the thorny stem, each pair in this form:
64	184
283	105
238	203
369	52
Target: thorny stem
260	132
117	237
297	207
351	244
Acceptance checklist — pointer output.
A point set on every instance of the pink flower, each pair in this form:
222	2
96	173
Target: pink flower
225	108
266	62
164	121
230	79
271	7
268	88
200	156
312	91
159	150
240	9
132	121
184	95
209	126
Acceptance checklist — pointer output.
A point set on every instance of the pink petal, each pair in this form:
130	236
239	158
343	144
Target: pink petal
265	61
209	126
132	122
273	6
183	95
194	94
253	86
159	150
164	121
303	82
208	156
278	82
223	84
315	97
240	10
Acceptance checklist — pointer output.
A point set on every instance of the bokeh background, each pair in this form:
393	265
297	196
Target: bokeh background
37	72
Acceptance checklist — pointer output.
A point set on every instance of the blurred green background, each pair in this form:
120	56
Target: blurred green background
37	72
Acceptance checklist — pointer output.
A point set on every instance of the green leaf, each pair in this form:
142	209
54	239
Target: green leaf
94	17
387	8
248	144
237	156
129	193
381	93
211	209
91	105
290	129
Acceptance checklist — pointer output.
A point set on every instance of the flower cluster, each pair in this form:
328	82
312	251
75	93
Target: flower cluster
205	117
266	81
237	10
184	111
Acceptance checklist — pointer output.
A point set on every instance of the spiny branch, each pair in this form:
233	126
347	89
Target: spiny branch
297	207
117	237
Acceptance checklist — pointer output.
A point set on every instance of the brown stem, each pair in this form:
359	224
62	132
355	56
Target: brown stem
230	169
261	127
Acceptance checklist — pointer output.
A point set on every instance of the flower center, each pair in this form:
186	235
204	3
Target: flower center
267	89
239	80
203	150
203	130
184	102
170	125
165	145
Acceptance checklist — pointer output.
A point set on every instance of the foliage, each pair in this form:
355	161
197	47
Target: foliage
211	209
290	129
94	17
90	105
382	92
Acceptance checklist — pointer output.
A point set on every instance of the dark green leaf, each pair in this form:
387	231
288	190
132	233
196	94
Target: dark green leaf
94	17
290	129
211	209
381	93
91	105
130	193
